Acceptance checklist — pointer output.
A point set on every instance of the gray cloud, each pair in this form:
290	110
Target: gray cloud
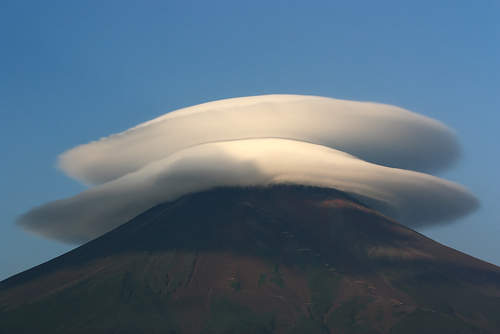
414	198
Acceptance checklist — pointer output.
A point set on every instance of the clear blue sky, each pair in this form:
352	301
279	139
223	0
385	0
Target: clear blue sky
74	71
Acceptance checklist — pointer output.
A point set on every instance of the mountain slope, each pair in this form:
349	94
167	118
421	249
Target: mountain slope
284	259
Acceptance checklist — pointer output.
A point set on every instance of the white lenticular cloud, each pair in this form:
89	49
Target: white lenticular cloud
378	133
412	197
374	152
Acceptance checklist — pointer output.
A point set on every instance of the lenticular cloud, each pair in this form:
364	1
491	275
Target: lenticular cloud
378	133
374	152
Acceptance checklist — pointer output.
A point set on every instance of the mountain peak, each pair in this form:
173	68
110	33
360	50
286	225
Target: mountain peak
281	259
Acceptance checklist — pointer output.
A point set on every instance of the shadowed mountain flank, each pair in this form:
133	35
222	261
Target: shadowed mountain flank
281	259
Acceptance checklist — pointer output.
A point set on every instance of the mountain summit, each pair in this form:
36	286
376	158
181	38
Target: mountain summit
281	259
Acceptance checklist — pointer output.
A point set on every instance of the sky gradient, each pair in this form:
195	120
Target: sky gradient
72	72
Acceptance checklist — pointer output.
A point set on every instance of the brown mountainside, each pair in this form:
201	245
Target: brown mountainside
284	259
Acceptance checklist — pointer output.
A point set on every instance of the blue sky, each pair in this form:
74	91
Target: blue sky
72	72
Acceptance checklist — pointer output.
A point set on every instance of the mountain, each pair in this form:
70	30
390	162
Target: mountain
282	259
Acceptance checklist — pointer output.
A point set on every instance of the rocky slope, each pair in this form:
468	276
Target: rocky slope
285	259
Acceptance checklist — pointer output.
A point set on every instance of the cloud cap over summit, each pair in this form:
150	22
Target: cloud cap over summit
412	197
372	151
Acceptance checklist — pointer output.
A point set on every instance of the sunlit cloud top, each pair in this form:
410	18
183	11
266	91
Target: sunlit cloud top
378	133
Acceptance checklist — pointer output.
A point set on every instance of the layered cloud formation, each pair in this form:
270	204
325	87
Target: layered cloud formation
372	151
377	133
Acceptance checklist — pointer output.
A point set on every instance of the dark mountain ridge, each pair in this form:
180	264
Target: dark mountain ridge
282	259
